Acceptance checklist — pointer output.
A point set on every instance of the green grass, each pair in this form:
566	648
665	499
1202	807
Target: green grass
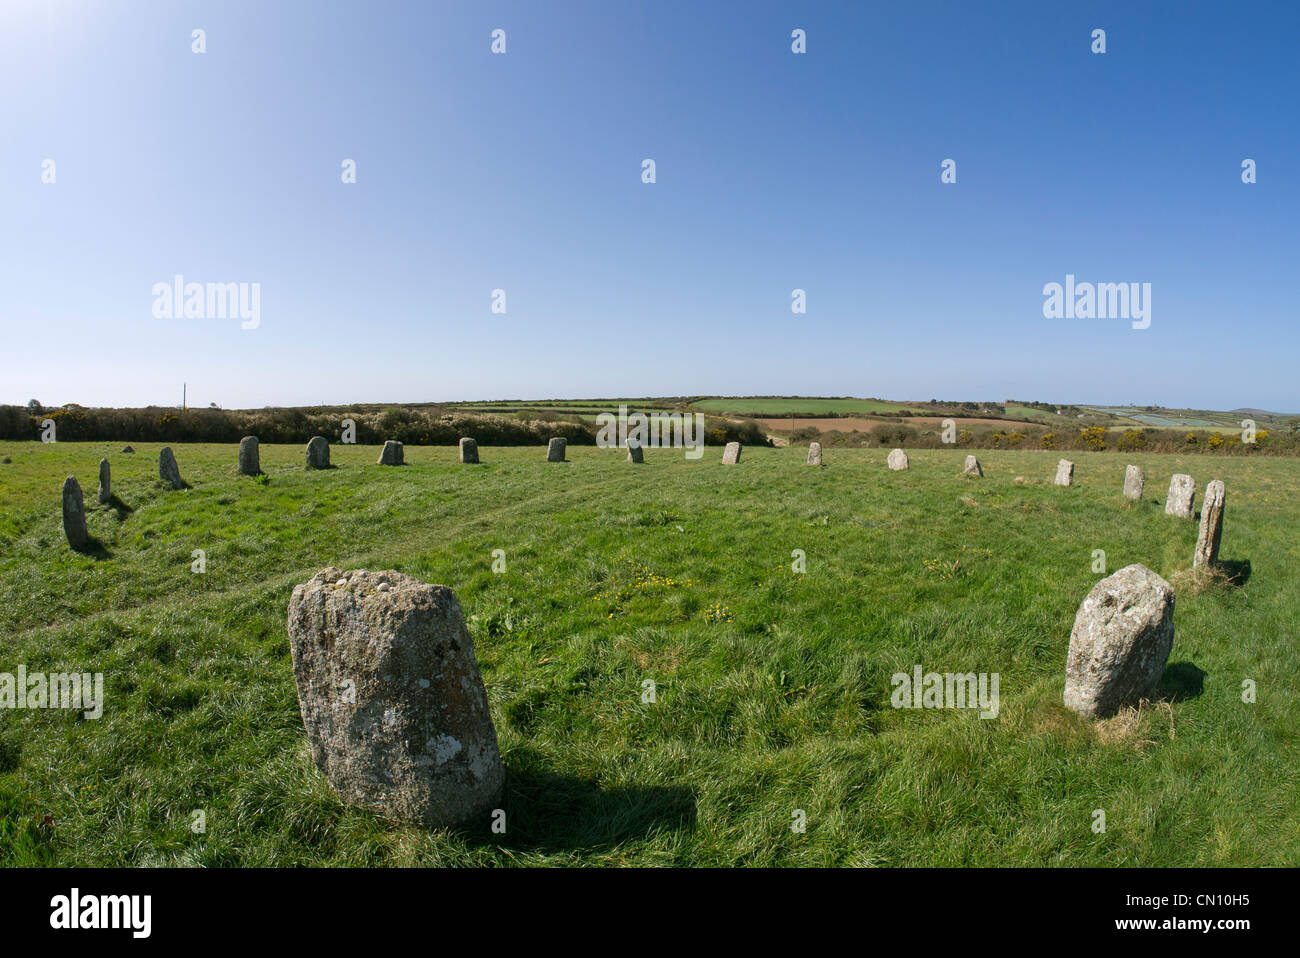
773	688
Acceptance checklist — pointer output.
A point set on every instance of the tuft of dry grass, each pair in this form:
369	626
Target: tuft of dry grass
1133	726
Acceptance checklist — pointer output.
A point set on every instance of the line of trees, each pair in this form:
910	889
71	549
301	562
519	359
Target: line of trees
417	426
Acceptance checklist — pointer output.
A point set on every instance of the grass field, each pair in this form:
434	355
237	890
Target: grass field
765	406
773	688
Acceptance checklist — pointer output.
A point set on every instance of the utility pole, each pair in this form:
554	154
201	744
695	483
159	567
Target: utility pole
183	386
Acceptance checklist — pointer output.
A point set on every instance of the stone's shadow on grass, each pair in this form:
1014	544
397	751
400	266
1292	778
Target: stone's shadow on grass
553	812
1237	571
1182	680
94	549
118	506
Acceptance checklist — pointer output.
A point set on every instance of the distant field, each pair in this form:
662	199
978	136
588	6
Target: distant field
851	423
774	407
773	687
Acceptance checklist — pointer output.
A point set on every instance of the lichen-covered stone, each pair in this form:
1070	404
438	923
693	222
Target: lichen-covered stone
1182	496
897	460
391	697
74	514
731	454
105	483
318	453
1134	482
814	453
1207	540
1121	640
168	471
392	454
469	451
634	451
555	449
972	467
1064	473
250	463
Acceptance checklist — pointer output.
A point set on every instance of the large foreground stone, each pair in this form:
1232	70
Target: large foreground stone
1134	481
469	451
897	460
105	483
814	453
1120	643
318	453
634	451
555	449
250	463
1064	473
731	454
74	514
972	467
392	454
168	471
1182	496
391	697
1207	540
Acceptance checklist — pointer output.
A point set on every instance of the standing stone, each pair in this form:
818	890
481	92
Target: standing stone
249	460
74	514
1064	473
168	471
555	449
1120	643
469	451
634	451
318	453
1134	481
127	449
1207	541
413	739
814	453
731	454
105	483
1182	496
392	454
897	460
972	467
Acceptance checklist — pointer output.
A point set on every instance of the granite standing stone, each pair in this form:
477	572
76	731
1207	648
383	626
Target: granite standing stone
318	453
127	449
897	460
972	467
1207	541
1064	473
731	454
1134	482
634	451
555	449
74	514
105	483
392	699
392	454
1120	643
814	453
469	451
1182	496
249	459
168	471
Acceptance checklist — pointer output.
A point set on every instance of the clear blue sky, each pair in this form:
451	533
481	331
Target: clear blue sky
522	172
